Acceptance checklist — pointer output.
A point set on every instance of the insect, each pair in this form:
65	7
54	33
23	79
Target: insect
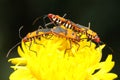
57	20
57	31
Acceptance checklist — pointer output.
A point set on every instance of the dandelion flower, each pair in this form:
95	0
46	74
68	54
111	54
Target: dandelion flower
58	58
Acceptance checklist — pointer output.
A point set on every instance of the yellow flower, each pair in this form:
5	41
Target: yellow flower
58	58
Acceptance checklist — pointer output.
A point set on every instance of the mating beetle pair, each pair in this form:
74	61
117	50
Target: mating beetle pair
64	28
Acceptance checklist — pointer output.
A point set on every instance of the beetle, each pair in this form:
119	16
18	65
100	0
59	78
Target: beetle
57	20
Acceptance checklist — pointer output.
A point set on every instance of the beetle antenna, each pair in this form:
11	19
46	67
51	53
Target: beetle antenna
12	49
19	32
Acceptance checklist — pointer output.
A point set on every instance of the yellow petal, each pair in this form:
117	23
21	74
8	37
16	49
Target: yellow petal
22	74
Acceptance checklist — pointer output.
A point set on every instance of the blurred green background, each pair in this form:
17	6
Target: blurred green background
104	16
